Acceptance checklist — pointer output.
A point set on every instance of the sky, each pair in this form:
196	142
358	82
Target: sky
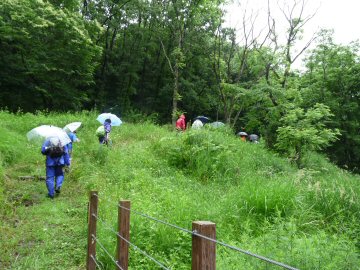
341	15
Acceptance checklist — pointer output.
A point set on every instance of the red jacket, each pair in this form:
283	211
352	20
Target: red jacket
180	123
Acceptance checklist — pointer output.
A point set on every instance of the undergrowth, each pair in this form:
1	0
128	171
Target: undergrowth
306	218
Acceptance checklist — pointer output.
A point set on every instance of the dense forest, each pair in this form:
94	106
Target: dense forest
160	58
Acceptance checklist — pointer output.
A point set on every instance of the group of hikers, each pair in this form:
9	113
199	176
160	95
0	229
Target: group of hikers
181	123
200	121
58	156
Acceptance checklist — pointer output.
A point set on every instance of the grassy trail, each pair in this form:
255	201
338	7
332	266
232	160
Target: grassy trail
305	218
41	233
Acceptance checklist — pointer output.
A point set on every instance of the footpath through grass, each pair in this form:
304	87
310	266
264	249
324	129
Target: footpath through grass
306	218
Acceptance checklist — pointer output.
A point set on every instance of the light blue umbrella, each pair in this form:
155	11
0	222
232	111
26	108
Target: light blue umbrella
115	121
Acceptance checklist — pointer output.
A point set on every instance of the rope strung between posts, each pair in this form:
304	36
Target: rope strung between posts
212	240
107	252
208	238
131	244
95	261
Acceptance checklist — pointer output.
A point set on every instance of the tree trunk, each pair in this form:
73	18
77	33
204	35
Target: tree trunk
175	94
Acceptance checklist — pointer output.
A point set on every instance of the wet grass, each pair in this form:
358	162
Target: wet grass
306	218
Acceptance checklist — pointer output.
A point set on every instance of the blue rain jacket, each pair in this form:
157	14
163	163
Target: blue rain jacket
73	138
57	161
107	127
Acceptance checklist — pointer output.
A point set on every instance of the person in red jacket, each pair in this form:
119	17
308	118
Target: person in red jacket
180	123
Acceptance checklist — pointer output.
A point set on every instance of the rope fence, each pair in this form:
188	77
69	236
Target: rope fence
213	240
133	245
107	252
95	261
203	240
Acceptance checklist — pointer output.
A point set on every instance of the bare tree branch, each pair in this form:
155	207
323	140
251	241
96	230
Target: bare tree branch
305	47
167	58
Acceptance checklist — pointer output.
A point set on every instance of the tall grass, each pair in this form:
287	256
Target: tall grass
307	218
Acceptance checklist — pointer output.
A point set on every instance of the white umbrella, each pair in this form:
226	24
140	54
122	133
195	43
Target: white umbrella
253	137
115	121
217	124
242	133
72	126
41	133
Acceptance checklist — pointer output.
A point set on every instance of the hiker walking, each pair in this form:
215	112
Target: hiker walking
108	120
70	130
103	132
73	138
243	135
57	157
254	138
107	128
197	124
180	123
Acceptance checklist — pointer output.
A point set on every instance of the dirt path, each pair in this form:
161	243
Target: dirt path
40	233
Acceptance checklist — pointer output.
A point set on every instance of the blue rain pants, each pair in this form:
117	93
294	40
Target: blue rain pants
54	176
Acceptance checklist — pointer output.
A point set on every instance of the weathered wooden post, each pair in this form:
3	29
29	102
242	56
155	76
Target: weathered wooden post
93	210
203	250
122	249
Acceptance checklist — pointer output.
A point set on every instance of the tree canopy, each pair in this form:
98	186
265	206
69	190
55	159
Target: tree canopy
167	57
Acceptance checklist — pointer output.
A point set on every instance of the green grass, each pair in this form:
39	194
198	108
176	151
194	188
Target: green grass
306	218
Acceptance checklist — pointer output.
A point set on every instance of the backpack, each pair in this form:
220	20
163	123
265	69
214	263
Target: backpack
100	132
55	150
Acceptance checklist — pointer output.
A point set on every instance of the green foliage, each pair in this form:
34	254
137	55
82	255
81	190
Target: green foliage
48	56
332	78
319	250
306	218
136	116
199	153
65	55
303	131
2	174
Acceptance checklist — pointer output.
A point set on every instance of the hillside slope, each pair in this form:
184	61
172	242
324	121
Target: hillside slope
305	218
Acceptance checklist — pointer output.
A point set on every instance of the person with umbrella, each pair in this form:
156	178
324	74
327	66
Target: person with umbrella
70	129
203	119
108	120
243	135
254	138
57	157
107	128
197	124
54	141
103	132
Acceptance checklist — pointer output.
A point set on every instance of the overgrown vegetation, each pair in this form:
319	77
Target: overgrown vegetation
307	218
162	57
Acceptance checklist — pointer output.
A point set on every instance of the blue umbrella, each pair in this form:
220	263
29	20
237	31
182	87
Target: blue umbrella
203	119
115	121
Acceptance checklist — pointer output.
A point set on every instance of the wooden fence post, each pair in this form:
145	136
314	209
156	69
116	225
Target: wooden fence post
122	249
93	210
203	250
